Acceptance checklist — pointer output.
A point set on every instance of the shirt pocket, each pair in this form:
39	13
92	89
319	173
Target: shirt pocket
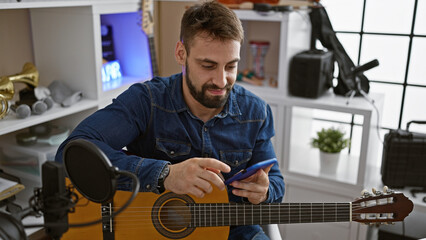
236	158
172	148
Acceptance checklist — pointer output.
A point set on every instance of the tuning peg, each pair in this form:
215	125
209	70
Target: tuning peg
365	193
387	190
376	192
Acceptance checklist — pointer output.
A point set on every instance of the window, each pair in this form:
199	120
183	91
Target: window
394	32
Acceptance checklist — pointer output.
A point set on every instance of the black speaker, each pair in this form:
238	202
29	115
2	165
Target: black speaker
311	73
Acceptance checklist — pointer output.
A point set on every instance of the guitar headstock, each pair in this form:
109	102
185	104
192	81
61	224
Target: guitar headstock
147	8
381	207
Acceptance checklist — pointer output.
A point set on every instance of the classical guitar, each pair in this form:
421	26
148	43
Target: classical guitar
148	27
173	216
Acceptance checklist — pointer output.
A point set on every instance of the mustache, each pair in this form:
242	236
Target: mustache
215	87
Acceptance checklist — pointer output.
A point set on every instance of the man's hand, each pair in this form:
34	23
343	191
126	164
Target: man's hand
195	176
254	188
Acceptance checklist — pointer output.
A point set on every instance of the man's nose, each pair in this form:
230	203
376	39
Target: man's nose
220	79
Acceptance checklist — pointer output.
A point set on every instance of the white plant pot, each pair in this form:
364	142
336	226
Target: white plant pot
329	162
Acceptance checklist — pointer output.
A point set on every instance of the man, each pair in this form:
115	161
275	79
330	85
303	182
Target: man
186	130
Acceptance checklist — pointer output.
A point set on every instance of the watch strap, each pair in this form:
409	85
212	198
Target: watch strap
163	175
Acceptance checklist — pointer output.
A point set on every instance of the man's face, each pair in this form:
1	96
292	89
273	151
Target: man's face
211	70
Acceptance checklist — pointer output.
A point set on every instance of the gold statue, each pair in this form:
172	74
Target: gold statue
29	75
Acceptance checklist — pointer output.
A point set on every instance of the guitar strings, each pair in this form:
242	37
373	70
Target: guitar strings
143	219
242	207
123	223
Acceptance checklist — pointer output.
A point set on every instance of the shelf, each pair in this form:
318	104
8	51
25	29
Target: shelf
43	4
332	102
10	123
258	16
328	101
100	4
111	91
307	163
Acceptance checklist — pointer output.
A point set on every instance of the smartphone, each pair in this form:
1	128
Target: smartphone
245	173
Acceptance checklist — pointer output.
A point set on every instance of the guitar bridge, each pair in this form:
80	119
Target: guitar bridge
107	221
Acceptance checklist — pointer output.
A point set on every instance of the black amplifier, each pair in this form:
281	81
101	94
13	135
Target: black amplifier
311	73
404	158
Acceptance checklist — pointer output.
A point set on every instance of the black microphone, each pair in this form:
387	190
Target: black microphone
367	66
55	198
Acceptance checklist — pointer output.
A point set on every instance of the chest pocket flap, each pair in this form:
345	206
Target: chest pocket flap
235	158
172	148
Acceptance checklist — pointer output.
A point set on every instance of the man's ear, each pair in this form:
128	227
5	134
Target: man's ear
180	53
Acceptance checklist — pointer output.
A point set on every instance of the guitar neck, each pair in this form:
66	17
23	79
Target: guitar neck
153	56
233	214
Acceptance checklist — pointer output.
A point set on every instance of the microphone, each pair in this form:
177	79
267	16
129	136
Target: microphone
367	66
55	199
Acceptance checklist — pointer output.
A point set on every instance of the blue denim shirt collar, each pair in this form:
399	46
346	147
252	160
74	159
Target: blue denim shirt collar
230	108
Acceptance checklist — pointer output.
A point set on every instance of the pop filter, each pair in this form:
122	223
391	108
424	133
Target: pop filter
90	170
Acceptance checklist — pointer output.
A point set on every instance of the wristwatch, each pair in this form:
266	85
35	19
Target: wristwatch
164	173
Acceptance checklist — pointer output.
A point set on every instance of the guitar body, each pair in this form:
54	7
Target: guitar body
137	221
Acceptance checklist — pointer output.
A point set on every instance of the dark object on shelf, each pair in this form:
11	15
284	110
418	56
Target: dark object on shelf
404	158
108	51
351	80
266	7
311	73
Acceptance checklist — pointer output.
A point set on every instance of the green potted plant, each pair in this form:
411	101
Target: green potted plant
330	141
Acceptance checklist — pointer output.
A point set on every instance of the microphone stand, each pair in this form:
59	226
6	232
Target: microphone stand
355	72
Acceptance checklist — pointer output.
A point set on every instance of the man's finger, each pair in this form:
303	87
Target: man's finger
204	185
212	163
196	192
213	178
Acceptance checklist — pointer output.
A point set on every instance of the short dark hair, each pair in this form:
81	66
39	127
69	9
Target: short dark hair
213	19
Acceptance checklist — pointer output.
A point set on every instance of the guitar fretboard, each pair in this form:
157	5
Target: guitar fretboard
233	214
153	56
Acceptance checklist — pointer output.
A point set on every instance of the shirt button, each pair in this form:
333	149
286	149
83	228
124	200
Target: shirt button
236	162
148	186
172	152
205	129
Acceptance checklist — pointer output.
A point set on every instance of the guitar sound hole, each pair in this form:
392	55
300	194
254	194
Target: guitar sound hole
175	215
171	215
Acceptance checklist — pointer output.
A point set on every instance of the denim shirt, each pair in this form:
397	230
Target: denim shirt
153	122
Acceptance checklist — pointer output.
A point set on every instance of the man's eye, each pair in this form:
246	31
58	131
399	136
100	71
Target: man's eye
232	67
208	66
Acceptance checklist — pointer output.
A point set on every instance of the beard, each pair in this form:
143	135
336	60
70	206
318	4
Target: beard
202	97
